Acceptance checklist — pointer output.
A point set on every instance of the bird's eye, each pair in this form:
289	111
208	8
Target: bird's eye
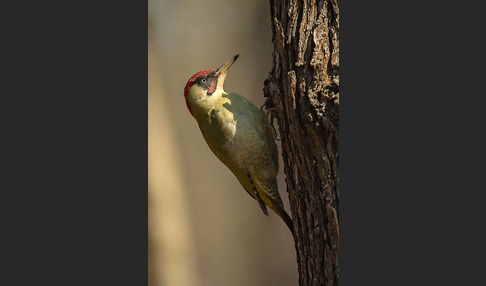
203	80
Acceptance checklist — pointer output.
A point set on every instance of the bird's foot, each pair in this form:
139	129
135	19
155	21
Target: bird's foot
269	116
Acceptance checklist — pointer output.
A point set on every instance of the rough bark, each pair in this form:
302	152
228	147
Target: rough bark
303	94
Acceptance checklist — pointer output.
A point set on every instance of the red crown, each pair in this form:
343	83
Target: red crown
189	83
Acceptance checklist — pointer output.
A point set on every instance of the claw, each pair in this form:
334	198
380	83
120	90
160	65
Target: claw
269	116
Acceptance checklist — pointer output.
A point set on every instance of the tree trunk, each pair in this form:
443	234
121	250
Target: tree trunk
303	94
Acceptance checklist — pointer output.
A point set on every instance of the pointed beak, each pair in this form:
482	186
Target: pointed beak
223	70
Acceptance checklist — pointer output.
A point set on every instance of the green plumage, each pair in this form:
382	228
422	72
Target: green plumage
235	130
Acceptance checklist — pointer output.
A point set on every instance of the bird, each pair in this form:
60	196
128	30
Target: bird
236	132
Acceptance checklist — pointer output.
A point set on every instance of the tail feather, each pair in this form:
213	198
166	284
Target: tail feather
279	209
263	206
288	221
267	195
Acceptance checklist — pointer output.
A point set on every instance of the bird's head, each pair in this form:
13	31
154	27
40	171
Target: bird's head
206	83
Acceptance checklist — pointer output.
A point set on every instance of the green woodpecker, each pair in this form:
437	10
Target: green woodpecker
235	130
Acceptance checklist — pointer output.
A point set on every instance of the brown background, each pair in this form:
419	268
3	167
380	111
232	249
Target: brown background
204	229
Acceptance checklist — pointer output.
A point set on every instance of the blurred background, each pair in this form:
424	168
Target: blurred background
204	229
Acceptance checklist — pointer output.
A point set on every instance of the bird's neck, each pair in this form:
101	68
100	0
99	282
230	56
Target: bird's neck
202	107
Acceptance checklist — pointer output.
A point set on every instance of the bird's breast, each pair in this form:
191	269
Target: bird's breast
223	123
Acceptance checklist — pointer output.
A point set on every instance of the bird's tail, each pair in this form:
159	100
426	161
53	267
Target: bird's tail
278	208
269	196
288	221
